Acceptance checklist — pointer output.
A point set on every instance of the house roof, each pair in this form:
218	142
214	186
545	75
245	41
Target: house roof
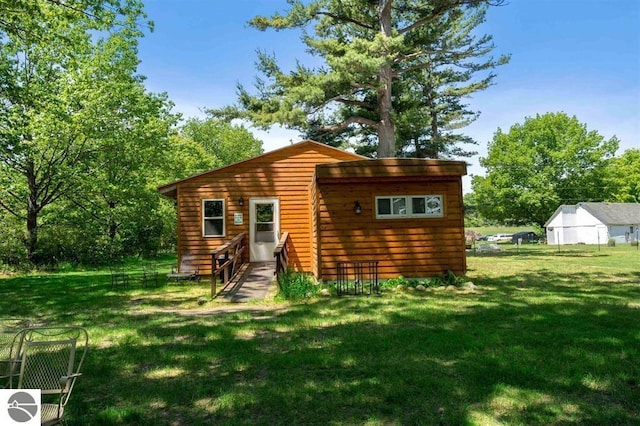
169	189
390	168
614	213
608	213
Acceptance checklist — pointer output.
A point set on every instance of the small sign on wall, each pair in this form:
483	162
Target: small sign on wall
238	219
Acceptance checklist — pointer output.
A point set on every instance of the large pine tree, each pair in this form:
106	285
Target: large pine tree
429	104
391	67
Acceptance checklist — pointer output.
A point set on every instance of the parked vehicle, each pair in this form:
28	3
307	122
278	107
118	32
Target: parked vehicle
527	237
499	238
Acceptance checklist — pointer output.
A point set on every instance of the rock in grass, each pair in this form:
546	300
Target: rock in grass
469	286
420	287
400	287
202	300
451	288
411	288
325	292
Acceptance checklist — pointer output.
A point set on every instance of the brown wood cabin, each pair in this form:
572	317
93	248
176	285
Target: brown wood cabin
407	214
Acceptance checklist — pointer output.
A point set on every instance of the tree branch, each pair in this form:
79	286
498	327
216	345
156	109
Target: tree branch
442	10
364	86
9	209
349	121
412	68
344	101
346	19
352	102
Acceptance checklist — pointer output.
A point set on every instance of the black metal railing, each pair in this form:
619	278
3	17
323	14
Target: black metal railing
354	278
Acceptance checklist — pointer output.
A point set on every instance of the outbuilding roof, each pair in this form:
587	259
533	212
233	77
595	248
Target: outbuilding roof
607	213
614	213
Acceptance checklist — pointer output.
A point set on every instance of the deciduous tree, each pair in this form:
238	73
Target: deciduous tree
65	93
28	19
227	142
549	160
623	177
117	191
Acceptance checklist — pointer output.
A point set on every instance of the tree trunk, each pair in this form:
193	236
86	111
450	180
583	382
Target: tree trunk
418	147
435	137
386	130
32	215
112	225
432	149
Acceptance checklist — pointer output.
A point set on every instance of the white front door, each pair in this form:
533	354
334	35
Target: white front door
264	228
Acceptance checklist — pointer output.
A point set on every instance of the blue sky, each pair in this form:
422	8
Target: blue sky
577	56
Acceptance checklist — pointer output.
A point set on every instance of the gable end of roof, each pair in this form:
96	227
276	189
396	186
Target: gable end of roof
169	189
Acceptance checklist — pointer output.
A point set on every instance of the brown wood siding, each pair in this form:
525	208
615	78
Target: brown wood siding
314	227
412	247
285	174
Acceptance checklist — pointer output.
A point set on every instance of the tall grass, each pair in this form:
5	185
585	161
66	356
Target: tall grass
295	285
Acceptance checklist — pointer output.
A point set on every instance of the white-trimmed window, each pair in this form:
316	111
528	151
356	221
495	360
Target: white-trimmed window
213	218
404	206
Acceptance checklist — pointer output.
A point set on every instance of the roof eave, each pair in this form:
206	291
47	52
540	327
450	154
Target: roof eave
169	190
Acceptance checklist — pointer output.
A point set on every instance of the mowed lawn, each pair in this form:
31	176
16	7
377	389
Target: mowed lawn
549	337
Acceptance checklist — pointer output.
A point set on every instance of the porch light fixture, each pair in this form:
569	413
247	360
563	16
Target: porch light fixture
241	201
357	208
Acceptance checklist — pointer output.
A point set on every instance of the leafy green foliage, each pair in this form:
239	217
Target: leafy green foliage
12	249
226	142
472	215
37	18
549	160
295	285
184	157
80	136
394	282
448	278
623	177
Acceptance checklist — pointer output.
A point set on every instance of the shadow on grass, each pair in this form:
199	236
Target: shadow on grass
539	348
409	363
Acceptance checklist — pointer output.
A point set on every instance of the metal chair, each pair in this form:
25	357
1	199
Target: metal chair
51	361
119	277
10	347
149	274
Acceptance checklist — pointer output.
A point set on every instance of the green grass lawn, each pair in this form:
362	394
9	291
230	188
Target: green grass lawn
549	337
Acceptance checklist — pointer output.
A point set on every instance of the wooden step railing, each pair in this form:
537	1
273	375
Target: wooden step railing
281	253
227	259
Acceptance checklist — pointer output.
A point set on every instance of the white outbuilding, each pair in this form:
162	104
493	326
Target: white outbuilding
594	223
